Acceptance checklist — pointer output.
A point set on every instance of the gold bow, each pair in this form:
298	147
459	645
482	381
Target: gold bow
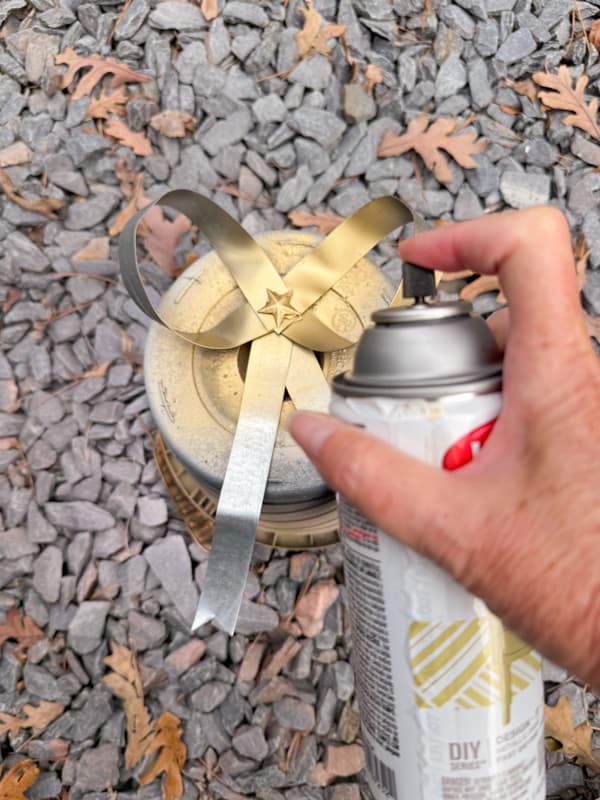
279	315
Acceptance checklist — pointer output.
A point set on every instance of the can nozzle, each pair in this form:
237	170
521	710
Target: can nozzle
419	282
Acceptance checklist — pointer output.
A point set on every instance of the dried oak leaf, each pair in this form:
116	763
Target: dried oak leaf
209	8
20	777
316	34
564	97
170	759
97	249
323	222
108	103
594	34
526	88
137	201
373	76
429	140
581	253
161	236
37	718
99	67
137	140
23	631
47	206
576	741
175	124
125	681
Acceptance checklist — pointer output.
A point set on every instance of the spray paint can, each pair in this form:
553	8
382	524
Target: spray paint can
451	702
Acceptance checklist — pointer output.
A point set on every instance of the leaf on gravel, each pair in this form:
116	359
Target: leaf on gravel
20	777
210	9
37	718
125	681
170	759
99	67
137	140
316	34
12	296
526	88
47	206
594	34
175	124
23	631
428	140
95	250
311	608
108	103
161	236
581	253
137	201
373	76
481	285
324	222
566	97
576	741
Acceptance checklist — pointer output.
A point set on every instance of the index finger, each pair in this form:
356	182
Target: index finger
531	253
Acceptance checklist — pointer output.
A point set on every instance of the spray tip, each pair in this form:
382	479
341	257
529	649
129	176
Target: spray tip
419	283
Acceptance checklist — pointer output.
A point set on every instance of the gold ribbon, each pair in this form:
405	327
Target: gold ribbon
279	312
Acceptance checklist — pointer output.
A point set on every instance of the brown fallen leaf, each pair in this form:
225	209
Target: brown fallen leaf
324	222
373	76
209	8
98	68
137	201
15	782
170	759
108	103
428	140
125	681
481	285
23	630
316	33
566	97
12	296
161	236
576	741
175	124
511	110
581	253
95	250
594	34
37	718
47	206
527	88
137	140
311	608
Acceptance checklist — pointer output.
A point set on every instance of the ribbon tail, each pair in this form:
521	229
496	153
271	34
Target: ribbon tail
306	384
242	493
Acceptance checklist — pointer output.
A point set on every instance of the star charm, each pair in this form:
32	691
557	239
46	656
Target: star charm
280	307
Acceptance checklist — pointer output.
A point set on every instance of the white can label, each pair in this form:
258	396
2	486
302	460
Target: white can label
451	702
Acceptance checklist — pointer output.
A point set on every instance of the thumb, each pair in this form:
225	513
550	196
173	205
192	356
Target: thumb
416	503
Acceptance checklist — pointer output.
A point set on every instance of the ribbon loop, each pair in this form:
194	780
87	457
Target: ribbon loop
286	318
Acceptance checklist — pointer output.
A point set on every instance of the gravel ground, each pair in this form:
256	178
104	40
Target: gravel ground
92	548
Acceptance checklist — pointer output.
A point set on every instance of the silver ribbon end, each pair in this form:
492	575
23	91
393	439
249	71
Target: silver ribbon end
219	618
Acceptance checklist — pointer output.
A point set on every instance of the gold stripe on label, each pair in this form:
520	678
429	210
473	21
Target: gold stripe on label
465	676
457	649
478	698
433	646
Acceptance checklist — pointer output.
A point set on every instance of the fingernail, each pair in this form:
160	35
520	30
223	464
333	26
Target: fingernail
311	430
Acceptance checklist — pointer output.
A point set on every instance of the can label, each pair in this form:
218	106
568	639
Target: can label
451	702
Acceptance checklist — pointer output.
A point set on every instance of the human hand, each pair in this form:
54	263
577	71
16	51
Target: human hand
519	526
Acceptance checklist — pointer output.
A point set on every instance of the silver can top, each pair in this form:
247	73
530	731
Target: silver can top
427	350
